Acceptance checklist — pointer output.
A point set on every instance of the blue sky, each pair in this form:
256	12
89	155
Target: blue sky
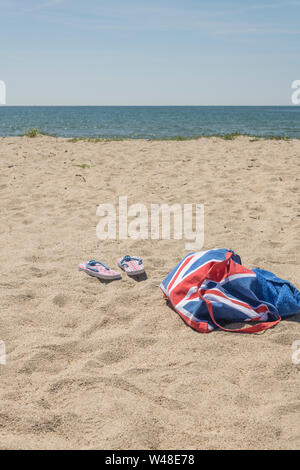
154	52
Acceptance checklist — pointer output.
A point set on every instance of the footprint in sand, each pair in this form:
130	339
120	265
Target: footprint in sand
123	348
287	371
286	339
25	296
61	300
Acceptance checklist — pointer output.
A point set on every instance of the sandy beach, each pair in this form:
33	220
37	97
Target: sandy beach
109	366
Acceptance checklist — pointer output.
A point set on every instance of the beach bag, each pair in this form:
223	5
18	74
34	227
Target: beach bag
211	289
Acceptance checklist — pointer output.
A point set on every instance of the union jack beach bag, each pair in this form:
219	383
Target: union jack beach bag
210	289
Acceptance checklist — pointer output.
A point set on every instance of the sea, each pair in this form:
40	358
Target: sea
150	122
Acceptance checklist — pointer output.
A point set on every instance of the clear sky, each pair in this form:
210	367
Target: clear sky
149	52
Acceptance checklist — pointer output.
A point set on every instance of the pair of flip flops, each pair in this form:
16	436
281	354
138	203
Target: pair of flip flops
132	265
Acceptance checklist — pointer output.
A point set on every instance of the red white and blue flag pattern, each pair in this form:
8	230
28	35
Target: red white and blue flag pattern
211	289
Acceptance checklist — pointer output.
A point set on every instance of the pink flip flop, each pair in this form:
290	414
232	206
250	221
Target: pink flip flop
132	265
98	269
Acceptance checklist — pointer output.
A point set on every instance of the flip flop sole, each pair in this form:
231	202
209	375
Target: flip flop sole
101	275
134	272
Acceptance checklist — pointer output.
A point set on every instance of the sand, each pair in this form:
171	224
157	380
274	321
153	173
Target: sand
109	366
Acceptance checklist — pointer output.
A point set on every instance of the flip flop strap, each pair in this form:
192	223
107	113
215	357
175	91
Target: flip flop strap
126	258
92	262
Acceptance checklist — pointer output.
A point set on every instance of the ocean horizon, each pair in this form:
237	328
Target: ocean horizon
150	122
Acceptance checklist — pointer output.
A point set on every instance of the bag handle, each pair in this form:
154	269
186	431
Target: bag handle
251	329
